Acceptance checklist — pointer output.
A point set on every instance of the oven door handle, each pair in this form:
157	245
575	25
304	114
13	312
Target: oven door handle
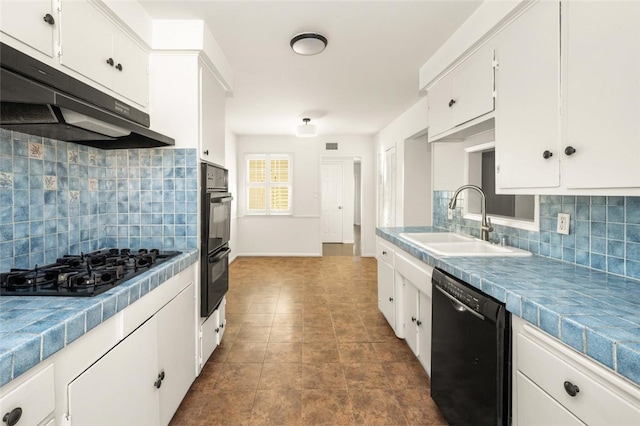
460	307
222	200
217	257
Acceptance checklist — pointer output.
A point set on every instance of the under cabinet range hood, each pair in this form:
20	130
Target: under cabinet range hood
39	100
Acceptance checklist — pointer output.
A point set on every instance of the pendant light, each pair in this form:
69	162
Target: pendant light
308	44
306	130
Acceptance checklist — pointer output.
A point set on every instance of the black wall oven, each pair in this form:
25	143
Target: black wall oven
215	233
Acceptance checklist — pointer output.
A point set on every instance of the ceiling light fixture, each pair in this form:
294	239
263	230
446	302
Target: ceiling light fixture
308	44
306	130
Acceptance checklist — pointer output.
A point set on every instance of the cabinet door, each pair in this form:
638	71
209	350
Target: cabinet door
438	98
212	116
386	293
602	94
472	88
411	317
130	73
35	397
424	331
464	94
86	40
176	351
528	100
24	21
119	388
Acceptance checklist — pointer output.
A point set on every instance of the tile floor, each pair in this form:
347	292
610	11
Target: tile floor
305	344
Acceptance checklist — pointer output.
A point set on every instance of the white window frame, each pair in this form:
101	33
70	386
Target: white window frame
268	184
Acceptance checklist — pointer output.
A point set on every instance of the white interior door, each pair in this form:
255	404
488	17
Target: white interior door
332	202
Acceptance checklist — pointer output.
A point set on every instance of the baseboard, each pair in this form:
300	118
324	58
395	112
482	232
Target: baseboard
279	255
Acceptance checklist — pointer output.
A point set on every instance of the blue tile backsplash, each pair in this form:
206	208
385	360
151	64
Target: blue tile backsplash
61	198
604	233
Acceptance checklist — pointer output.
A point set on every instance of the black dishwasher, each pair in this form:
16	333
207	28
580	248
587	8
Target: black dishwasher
470	354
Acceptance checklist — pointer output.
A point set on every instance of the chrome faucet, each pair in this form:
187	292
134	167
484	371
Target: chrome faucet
485	225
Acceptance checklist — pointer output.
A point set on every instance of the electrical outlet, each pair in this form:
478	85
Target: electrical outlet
450	214
564	220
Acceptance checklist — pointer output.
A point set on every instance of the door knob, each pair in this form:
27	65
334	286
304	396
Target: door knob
119	67
339	207
569	150
571	389
452	102
49	19
547	154
110	61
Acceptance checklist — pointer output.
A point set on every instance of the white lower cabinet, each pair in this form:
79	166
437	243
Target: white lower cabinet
211	332
553	384
415	279
32	401
388	292
143	379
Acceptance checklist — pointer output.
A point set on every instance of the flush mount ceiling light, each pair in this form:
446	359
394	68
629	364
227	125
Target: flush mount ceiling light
306	130
308	44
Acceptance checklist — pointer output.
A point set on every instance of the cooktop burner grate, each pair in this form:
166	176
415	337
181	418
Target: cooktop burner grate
82	275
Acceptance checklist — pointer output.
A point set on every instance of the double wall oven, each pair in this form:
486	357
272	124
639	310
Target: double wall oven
215	233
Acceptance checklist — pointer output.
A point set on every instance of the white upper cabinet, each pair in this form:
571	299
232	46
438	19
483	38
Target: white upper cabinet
462	95
601	92
94	47
31	22
527	114
212	117
568	100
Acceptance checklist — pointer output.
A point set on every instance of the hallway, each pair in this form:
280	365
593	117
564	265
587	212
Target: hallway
305	344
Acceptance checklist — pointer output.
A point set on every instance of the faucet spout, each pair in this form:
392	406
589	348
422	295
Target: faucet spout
485	225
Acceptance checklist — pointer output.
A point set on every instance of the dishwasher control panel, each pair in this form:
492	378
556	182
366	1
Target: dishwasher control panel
469	297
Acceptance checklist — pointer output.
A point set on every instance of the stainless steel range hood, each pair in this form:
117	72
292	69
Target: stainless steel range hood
39	100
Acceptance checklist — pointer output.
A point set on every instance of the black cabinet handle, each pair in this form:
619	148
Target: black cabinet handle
547	154
119	67
206	152
49	19
391	299
569	150
13	417
218	330
413	319
158	382
110	61
419	323
452	102
571	389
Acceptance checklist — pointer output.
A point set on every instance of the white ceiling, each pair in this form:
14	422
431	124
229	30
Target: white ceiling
367	76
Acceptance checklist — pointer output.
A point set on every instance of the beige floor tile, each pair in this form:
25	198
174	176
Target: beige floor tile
250	333
323	376
281	376
376	407
285	334
320	352
277	407
365	376
238	376
247	352
326	407
283	352
318	334
357	352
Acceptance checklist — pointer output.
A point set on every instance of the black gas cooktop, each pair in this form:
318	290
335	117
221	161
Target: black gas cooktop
82	275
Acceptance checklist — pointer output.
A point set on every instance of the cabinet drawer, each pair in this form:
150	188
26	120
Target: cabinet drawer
35	397
536	407
419	276
384	252
597	401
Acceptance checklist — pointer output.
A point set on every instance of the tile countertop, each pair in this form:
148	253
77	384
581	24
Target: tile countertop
32	328
596	313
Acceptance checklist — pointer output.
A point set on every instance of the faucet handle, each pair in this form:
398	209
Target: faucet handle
489	226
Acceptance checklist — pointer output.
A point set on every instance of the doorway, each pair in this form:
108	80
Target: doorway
341	181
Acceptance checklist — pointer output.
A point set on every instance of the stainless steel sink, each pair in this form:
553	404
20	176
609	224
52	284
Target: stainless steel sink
448	244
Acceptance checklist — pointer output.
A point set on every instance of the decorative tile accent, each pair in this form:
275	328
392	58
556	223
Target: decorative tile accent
72	156
6	180
74	196
50	182
93	184
36	151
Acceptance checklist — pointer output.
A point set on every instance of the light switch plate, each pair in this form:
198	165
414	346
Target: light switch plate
564	220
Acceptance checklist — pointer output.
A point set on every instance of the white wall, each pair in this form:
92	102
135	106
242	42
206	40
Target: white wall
231	163
408	125
448	160
417	195
300	233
